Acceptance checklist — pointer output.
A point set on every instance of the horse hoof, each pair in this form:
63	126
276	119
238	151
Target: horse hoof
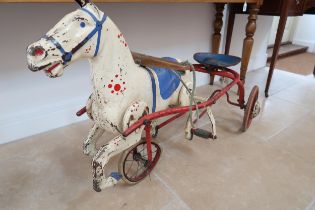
189	135
89	151
96	186
116	175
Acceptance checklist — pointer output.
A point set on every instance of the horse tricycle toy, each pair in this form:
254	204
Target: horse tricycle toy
131	91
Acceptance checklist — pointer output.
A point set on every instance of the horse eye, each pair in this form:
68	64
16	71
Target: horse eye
82	24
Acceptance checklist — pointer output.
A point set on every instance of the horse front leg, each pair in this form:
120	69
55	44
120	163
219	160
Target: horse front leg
114	147
117	145
89	147
89	105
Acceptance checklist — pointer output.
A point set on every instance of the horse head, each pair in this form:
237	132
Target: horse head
75	36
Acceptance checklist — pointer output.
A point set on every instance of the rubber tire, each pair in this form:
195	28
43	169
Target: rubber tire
248	114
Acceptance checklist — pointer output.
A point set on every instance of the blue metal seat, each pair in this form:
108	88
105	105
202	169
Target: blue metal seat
219	60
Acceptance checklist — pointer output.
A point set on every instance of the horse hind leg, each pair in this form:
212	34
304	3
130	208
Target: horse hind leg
184	100
115	146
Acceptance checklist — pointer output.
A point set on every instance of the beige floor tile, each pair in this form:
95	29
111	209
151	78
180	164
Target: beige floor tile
280	80
298	139
43	173
302	93
275	115
236	173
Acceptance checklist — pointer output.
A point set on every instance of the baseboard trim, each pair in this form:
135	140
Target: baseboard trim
309	44
30	122
290	53
281	44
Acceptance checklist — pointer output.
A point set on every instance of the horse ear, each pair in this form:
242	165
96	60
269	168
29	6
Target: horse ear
82	3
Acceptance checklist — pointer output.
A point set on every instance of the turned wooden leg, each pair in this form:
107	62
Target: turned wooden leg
249	40
280	31
229	31
218	23
216	38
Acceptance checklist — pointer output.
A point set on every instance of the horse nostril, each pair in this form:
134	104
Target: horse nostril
37	51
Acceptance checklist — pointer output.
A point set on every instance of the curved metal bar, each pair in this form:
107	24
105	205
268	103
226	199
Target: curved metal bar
226	73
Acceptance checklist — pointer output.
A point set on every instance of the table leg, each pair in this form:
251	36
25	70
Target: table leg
280	31
216	38
249	40
229	31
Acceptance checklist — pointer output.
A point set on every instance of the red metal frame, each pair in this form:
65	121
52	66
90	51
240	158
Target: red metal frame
148	138
234	76
180	111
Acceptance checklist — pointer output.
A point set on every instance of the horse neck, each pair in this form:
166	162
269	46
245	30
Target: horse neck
114	56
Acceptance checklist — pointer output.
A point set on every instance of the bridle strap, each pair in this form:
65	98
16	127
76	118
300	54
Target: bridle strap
67	56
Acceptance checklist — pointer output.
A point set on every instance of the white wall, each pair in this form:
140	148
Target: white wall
259	51
305	32
31	103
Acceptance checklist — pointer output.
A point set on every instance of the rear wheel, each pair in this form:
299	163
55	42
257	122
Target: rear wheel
252	108
134	165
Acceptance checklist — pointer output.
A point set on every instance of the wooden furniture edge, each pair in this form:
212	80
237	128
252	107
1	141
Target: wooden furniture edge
259	2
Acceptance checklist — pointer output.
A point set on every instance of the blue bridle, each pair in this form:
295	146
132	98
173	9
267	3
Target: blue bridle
67	56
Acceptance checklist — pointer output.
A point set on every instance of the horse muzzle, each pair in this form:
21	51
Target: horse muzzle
34	68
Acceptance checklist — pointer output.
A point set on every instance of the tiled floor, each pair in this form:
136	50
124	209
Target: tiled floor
272	166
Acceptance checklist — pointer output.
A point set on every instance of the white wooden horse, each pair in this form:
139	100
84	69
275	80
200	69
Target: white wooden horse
122	91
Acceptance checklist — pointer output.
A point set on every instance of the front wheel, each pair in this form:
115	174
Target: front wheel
134	165
252	108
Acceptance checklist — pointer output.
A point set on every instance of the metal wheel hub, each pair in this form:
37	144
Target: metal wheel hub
137	157
256	109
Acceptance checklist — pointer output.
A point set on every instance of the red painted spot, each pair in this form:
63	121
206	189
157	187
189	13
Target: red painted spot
124	83
124	88
117	87
112	80
38	52
110	86
116	75
112	91
126	45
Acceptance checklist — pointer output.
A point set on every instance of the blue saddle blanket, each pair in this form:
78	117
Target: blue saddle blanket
168	80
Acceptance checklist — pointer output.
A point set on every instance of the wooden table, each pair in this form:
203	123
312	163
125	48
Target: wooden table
250	29
282	8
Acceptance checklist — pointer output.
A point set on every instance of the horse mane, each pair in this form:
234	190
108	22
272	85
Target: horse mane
82	3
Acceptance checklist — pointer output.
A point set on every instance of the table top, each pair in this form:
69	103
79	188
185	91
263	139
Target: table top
137	1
